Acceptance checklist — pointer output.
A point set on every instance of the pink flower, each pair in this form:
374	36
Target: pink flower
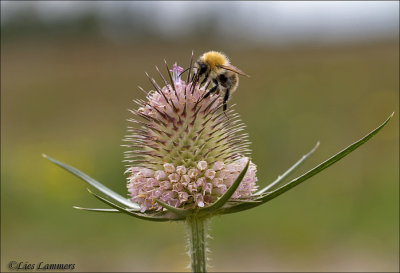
174	177
210	174
193	173
202	165
181	170
169	168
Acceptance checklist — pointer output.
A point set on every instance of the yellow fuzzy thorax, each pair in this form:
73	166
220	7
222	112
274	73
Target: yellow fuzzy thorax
214	58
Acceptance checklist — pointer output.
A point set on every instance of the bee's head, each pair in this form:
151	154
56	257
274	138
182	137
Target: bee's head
200	67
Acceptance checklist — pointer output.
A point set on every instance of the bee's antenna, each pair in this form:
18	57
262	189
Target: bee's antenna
185	70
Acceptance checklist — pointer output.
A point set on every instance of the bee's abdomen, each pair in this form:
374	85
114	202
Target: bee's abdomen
228	80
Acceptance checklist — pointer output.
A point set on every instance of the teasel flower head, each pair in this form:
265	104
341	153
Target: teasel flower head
184	150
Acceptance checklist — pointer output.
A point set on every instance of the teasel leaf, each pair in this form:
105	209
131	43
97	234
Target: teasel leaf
289	171
178	211
134	214
92	182
97	209
265	197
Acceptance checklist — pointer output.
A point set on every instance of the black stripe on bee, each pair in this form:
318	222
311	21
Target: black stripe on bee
222	78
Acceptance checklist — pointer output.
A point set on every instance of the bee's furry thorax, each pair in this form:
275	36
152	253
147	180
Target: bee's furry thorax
214	59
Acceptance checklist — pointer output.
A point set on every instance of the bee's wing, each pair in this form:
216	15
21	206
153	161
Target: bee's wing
234	69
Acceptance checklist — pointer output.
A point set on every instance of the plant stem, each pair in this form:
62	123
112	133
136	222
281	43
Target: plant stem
197	243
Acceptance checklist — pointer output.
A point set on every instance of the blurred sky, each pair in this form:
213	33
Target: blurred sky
273	23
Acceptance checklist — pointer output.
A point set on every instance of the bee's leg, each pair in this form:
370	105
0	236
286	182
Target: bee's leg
226	97
208	83
213	89
195	75
205	79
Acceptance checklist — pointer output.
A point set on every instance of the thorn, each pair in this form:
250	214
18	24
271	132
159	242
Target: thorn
209	106
170	77
190	65
141	89
168	85
158	88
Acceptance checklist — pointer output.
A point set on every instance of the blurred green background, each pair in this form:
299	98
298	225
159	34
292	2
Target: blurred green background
69	72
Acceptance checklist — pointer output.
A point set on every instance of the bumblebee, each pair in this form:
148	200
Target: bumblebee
215	67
